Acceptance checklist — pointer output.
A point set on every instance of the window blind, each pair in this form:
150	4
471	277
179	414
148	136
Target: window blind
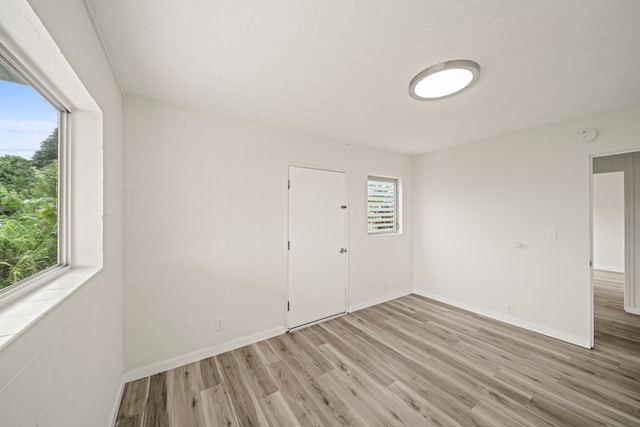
382	203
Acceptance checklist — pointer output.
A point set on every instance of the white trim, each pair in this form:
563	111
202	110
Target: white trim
40	60
550	332
287	189
347	242
608	268
630	249
34	79
175	362
396	208
591	306
65	166
31	283
379	300
116	403
54	291
632	310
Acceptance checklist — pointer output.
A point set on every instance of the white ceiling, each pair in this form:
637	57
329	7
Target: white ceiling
341	69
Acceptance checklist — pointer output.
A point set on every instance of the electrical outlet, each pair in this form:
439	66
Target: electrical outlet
219	323
511	309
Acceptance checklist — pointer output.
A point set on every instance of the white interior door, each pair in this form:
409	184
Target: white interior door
317	244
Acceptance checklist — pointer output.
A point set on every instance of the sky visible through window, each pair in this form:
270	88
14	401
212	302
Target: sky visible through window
26	119
28	181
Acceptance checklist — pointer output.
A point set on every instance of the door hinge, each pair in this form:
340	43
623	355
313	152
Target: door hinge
288	245
343	207
590	263
289	184
288	305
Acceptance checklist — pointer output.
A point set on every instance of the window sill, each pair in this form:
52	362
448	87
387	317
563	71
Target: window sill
18	315
395	233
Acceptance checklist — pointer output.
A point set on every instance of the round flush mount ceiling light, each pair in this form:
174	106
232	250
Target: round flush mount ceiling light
444	79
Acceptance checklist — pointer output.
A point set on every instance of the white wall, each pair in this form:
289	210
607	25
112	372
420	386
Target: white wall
205	230
608	221
472	203
66	370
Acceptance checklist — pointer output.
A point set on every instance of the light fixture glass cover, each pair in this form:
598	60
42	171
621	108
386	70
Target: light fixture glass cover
444	79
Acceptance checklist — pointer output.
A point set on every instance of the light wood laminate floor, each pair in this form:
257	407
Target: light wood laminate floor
413	362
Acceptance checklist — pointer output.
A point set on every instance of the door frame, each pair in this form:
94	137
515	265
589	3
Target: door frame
286	237
629	237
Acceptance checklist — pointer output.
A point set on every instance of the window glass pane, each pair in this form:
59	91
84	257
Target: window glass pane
28	180
382	196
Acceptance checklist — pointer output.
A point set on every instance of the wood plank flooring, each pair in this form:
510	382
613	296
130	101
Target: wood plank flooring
408	362
610	318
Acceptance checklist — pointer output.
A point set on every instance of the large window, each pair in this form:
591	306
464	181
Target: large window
382	205
30	132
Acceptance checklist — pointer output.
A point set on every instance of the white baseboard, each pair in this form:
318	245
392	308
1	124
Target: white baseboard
175	362
116	403
608	268
550	332
165	365
212	351
379	300
632	310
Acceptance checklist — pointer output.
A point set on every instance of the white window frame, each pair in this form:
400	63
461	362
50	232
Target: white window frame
64	202
396	206
38	53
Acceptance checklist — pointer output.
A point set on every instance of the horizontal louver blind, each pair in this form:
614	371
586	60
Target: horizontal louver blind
382	205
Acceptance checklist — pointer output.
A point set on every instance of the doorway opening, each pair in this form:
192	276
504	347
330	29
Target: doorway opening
615	237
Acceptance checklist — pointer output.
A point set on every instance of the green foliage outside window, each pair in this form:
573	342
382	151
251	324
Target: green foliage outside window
29	212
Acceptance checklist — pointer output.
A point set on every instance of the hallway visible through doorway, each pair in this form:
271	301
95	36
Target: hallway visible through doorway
611	321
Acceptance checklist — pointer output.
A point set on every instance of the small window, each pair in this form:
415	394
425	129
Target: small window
29	179
382	205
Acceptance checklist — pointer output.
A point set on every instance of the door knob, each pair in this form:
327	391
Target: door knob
342	250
